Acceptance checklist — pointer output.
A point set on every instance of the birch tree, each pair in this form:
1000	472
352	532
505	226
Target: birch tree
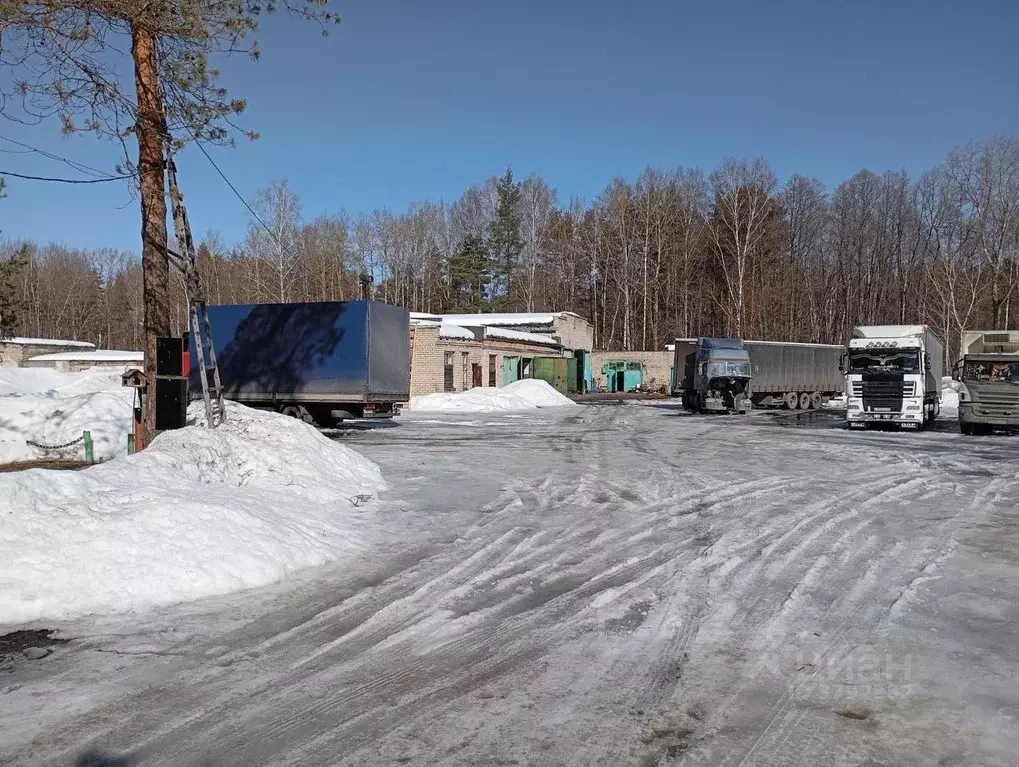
273	238
742	212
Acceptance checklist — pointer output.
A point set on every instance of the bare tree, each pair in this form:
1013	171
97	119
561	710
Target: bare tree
273	238
537	203
743	211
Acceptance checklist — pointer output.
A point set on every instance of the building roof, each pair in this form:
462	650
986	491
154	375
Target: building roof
20	341
519	335
446	330
103	355
482	320
449	330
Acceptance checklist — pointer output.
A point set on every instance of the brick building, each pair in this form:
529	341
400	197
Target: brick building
461	351
656	366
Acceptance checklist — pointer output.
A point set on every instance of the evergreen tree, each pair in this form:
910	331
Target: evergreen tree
469	275
505	241
10	303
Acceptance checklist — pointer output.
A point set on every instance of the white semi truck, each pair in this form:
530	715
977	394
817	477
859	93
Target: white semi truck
893	376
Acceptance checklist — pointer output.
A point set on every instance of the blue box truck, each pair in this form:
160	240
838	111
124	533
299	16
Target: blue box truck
324	362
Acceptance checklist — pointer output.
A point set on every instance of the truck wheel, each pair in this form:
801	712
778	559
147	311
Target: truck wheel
805	401
792	400
815	400
296	411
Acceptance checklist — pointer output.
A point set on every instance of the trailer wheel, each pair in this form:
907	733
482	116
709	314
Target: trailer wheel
815	400
805	400
792	400
297	411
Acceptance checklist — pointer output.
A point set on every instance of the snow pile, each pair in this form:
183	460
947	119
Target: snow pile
53	408
526	394
950	394
19	381
103	355
200	512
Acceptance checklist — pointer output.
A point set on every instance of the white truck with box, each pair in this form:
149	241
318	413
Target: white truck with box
893	376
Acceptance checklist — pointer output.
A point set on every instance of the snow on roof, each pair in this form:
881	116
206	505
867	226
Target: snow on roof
519	335
46	342
509	318
446	330
103	355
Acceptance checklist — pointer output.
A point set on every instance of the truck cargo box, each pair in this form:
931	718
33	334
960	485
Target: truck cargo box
323	352
780	367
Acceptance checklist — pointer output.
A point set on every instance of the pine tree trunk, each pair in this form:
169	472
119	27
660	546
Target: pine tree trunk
151	129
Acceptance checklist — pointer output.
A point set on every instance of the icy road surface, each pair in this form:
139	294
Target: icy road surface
607	585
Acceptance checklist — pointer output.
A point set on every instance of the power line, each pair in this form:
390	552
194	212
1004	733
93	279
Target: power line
67	180
78	166
240	197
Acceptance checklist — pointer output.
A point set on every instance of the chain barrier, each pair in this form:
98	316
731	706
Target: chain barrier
56	447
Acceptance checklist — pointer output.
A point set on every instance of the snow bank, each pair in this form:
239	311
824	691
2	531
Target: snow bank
949	394
20	381
52	408
526	394
103	355
200	512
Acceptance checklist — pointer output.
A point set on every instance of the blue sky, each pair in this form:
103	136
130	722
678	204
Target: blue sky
408	100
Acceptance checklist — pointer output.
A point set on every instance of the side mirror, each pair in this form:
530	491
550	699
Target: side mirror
957	371
842	363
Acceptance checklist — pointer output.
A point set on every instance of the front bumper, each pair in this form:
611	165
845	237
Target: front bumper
899	418
969	414
719	406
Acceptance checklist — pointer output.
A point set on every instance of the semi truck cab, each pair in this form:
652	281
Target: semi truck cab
989	376
719	381
893	376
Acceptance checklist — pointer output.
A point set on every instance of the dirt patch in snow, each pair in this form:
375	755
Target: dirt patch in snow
16	641
59	465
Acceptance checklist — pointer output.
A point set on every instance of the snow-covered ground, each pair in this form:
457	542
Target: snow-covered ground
199	512
52	408
597	585
526	394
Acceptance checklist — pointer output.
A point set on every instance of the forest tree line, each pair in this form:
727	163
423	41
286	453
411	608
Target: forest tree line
669	254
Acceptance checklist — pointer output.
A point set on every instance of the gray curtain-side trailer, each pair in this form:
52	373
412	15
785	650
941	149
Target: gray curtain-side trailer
782	370
321	361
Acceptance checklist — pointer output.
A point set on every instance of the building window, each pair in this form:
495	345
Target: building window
447	372
466	380
491	369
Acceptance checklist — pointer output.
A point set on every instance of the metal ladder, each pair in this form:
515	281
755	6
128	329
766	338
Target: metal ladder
212	391
201	329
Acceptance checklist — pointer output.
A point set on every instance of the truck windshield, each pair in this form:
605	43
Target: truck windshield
901	360
728	369
993	372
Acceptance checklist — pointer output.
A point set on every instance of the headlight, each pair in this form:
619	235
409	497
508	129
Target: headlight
912	407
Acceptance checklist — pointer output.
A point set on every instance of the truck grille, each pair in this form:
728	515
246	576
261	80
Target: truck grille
996	403
884	389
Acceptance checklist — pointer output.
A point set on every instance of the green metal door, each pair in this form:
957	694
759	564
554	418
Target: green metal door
510	370
572	377
552	370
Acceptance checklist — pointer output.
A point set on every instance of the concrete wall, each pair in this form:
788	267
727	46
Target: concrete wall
656	366
428	359
574	332
18	354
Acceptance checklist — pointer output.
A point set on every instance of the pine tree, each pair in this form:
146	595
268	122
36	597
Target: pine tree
505	241
10	303
469	274
134	68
